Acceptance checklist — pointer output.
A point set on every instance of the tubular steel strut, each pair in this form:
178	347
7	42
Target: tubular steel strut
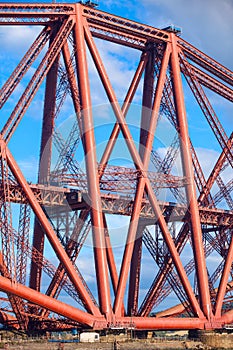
72	205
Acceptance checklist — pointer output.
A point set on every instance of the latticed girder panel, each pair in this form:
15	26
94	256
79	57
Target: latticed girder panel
126	227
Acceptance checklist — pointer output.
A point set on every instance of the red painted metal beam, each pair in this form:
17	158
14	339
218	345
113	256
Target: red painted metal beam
206	61
216	169
137	160
52	237
134	277
224	279
47	302
45	156
163	323
37	79
148	141
196	235
147	104
72	79
91	168
110	257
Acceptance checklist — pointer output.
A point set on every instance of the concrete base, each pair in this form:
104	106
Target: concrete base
212	339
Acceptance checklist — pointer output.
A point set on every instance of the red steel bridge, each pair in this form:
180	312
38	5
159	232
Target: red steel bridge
174	270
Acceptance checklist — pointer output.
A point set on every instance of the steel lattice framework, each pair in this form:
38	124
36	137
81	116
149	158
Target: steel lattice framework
192	221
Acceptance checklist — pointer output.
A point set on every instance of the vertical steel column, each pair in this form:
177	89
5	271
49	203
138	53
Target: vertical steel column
202	277
88	139
45	159
110	257
147	100
148	90
134	277
224	280
72	79
127	257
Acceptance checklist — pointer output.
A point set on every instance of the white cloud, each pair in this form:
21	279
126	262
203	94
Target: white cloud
29	168
17	39
87	270
207	159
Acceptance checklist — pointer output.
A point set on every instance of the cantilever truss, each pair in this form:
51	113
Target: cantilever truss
173	239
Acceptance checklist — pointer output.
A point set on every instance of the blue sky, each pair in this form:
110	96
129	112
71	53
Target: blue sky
207	24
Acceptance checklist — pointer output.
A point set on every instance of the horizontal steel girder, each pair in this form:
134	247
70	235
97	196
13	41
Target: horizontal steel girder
52	196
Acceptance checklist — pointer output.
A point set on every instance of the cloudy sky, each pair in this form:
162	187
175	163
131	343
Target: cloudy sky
207	24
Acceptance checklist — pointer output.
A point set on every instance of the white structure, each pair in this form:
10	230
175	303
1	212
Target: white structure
89	337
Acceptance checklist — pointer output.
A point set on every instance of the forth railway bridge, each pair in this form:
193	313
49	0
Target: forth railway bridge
179	218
